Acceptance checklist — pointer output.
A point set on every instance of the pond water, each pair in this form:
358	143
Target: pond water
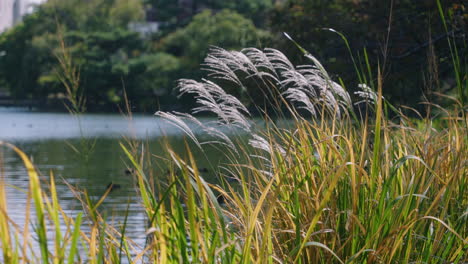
85	152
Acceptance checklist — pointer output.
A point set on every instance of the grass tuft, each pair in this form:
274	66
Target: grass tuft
322	187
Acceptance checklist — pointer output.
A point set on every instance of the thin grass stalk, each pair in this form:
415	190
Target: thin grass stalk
74	239
26	234
5	238
35	189
375	175
101	257
122	233
456	62
53	211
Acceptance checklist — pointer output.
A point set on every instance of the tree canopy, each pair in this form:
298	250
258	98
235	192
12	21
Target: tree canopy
408	39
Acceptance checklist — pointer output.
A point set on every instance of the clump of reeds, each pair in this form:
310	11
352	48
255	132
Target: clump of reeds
327	187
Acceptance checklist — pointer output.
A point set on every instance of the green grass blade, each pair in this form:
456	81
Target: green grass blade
74	239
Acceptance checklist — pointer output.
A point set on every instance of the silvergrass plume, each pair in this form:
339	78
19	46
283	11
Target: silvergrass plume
308	86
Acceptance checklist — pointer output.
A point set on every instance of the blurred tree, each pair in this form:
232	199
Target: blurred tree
179	13
107	55
25	52
406	37
123	12
161	68
162	71
253	9
413	51
226	29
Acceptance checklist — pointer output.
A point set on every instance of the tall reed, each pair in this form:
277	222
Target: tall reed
326	187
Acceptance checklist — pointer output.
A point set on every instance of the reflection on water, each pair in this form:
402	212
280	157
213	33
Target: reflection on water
85	152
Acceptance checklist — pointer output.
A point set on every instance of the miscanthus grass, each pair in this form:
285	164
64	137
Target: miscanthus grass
327	187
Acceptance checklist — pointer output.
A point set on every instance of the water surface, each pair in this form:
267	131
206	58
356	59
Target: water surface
84	151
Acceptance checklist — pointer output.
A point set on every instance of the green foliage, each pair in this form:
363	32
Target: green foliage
176	13
108	59
94	14
161	68
226	29
107	55
253	9
125	11
25	49
406	37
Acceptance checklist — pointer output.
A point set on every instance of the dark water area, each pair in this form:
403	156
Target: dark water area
85	152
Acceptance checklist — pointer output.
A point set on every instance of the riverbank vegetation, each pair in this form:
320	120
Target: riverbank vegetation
331	186
347	178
